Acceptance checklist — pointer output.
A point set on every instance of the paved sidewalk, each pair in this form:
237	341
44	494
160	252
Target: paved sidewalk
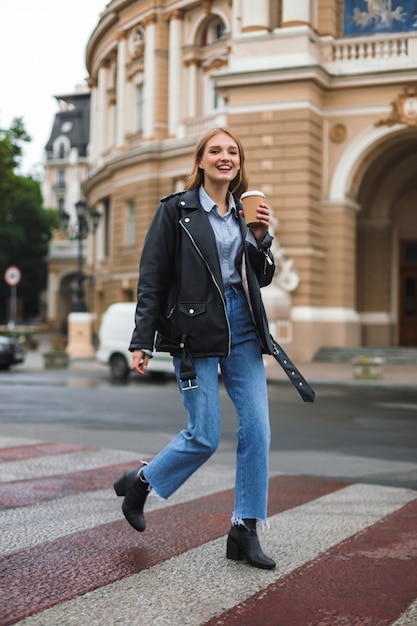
314	373
343	373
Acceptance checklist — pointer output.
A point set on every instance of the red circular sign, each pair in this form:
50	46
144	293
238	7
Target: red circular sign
12	276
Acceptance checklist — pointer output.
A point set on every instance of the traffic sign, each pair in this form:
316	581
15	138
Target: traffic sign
12	276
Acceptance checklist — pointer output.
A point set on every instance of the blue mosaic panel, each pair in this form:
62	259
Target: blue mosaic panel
362	17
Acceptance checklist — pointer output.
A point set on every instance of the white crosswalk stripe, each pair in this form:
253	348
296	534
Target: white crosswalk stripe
199	583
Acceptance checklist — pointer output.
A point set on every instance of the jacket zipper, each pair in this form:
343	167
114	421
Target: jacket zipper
267	260
214	281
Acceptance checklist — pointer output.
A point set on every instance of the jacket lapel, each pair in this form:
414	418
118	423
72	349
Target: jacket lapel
195	221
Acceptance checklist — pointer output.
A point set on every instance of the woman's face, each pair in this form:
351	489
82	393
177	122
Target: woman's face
220	160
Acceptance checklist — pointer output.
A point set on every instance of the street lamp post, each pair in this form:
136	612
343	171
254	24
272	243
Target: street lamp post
82	230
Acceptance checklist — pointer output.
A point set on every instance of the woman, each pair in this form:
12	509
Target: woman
199	288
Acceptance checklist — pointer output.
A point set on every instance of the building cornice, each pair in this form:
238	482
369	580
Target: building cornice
315	73
162	150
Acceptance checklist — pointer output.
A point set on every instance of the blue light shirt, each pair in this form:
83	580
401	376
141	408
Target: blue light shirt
227	232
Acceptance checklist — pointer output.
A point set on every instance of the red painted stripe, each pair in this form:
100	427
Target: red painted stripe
370	578
26	492
33	451
45	575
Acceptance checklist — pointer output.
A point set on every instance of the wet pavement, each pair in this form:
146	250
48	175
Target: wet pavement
314	372
346	551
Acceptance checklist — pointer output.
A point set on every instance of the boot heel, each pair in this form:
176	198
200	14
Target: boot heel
120	485
233	551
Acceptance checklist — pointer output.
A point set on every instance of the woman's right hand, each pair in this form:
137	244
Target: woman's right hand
140	361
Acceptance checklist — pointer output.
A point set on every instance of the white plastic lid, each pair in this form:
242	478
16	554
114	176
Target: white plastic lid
252	192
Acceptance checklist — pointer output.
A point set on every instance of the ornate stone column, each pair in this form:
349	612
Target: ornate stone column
255	15
296	12
149	25
192	66
121	91
174	71
101	109
93	121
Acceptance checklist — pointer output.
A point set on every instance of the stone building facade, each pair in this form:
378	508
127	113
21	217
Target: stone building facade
65	170
328	120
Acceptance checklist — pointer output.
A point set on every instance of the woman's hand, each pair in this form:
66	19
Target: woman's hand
263	215
140	361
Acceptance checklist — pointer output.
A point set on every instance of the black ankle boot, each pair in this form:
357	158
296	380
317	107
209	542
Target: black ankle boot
243	542
135	488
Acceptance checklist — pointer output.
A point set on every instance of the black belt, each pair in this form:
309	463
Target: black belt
188	374
299	382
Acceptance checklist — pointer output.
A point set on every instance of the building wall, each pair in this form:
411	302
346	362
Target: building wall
66	168
325	133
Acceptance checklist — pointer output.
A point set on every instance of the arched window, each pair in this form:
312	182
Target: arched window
213	31
213	54
61	147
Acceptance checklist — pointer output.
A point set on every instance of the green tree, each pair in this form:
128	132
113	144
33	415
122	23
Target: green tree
24	240
10	152
25	227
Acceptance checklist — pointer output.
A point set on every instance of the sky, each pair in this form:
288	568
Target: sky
42	54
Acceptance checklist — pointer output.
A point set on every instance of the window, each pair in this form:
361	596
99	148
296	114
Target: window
218	30
61	178
212	39
130	224
61	147
213	32
218	103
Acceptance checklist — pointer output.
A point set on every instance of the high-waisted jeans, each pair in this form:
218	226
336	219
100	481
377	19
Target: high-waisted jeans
244	378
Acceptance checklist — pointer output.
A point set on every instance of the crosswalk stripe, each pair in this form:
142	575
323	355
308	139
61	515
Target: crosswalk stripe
350	583
33	491
31	451
67	462
200	584
68	557
409	617
55	564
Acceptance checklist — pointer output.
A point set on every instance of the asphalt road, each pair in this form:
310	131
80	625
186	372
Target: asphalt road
368	434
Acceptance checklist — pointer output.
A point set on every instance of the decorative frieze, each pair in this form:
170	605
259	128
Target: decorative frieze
403	109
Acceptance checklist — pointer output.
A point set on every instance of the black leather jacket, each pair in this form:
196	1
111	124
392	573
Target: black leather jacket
180	288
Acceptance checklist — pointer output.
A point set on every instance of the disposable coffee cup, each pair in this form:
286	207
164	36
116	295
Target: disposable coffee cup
251	201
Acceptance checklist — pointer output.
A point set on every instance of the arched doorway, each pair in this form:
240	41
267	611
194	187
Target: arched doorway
386	276
408	293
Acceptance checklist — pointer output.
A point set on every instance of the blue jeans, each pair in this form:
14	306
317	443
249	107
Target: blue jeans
244	378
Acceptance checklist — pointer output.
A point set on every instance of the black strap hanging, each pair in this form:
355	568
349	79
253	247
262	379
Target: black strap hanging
299	382
188	375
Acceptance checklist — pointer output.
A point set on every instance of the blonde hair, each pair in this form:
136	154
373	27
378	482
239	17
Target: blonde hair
240	182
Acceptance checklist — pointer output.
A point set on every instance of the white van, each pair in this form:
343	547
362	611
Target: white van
115	334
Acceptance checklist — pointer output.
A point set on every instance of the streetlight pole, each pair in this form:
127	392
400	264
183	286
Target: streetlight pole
82	230
79	305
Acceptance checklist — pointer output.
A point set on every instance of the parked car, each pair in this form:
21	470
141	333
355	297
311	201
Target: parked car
11	352
113	342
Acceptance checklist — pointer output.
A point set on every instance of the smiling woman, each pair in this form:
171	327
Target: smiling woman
201	294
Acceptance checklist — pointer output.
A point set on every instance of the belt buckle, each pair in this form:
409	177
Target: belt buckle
186	385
